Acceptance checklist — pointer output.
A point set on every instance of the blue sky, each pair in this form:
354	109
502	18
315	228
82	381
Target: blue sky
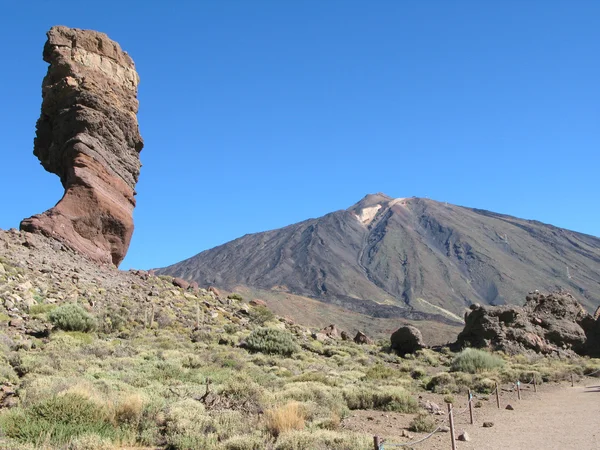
260	114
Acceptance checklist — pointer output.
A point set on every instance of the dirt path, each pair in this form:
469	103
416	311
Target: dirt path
557	417
565	418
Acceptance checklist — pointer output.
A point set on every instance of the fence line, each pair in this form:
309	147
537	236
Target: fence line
381	444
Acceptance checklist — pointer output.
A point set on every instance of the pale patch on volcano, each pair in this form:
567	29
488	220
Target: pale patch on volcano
367	215
396	201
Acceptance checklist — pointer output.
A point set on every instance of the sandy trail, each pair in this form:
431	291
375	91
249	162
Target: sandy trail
556	417
564	418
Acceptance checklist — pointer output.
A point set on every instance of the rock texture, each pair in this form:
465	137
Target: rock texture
550	324
407	340
88	135
362	338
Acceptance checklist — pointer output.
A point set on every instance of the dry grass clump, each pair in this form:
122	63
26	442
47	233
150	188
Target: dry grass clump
323	440
90	442
387	398
284	418
129	410
422	423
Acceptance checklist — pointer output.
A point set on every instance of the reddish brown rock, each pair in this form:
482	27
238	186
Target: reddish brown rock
214	290
180	282
88	135
362	338
258	302
331	331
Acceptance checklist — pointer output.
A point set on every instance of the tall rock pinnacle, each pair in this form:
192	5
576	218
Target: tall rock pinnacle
88	135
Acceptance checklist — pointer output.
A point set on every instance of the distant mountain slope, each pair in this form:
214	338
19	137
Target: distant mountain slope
414	258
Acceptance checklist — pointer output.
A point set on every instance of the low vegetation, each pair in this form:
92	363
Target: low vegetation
181	371
72	317
471	360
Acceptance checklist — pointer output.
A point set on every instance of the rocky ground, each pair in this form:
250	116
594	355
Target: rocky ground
169	365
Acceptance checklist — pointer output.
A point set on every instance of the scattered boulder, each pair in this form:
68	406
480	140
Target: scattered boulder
180	282
406	434
345	336
88	135
488	424
214	290
464	436
258	302
431	407
321	337
331	331
510	407
362	338
549	324
407	339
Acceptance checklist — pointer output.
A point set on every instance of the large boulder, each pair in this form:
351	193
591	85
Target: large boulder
331	331
88	135
552	323
407	339
362	338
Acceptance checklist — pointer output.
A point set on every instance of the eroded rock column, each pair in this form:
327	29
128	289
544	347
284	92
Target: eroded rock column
88	135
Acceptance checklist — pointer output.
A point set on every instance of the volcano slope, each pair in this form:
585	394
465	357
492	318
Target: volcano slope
412	258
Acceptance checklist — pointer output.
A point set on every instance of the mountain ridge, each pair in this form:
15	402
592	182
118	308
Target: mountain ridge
406	256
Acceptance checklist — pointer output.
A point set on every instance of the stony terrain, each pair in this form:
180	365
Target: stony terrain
88	135
165	364
549	324
411	258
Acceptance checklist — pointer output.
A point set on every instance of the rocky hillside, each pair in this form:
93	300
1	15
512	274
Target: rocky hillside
412	257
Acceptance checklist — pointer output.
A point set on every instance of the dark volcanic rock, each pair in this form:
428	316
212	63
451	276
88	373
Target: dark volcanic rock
406	340
546	324
88	135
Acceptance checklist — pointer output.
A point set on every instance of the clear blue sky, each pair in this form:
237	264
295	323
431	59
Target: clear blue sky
258	114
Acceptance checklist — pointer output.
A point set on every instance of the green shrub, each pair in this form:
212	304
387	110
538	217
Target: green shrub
385	399
36	310
58	419
235	297
380	372
72	317
471	360
422	423
261	315
272	341
442	383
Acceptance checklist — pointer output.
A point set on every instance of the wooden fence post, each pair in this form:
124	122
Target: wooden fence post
572	380
471	407
519	390
451	419
376	442
534	384
497	396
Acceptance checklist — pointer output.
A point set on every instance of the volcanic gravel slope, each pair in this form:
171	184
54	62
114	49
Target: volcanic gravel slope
414	258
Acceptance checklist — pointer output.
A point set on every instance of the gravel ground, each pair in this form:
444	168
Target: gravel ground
556	417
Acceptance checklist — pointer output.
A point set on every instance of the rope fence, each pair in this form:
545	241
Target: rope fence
382	444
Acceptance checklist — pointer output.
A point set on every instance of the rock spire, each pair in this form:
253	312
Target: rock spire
88	135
